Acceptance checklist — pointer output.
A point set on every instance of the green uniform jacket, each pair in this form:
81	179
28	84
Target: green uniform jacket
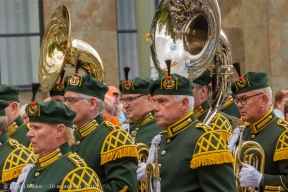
17	130
271	133
230	108
13	157
221	122
61	170
194	158
110	152
146	129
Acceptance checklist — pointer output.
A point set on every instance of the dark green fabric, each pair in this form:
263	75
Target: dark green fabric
251	81
3	105
146	131
58	89
51	112
183	86
21	133
9	93
175	172
5	151
139	85
87	85
51	177
232	110
113	175
268	138
204	79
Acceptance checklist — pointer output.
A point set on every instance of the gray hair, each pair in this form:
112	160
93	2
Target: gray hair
22	110
4	124
179	98
100	107
268	91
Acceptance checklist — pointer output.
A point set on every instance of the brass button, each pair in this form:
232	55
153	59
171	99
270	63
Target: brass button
14	123
37	174
136	129
0	143
189	120
253	136
168	141
78	142
58	150
163	153
59	154
30	186
6	186
160	165
94	121
16	127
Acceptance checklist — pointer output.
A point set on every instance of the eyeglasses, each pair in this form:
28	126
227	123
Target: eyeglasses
243	101
71	100
129	99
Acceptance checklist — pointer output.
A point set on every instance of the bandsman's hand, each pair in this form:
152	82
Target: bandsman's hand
249	176
141	172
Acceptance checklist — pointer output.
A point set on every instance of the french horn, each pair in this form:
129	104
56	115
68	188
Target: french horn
59	50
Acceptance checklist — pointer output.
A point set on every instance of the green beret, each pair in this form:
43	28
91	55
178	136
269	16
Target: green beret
251	81
58	89
204	79
137	85
9	93
50	112
3	105
176	85
86	85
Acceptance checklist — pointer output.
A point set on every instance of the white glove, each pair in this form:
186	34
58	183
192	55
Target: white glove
249	176
141	172
14	186
233	140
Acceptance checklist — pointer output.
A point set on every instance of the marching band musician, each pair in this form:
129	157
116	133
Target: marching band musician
57	168
13	156
221	122
17	128
254	99
191	156
107	149
58	91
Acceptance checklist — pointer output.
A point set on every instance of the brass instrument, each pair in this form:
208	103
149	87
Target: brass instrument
153	173
59	50
244	150
143	151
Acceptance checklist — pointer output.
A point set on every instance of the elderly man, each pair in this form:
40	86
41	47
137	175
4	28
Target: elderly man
193	157
137	103
13	156
17	128
57	168
221	122
254	98
108	149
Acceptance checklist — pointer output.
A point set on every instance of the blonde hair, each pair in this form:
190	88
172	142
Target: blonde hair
70	136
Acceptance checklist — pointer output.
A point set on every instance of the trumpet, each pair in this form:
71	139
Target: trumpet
153	172
244	150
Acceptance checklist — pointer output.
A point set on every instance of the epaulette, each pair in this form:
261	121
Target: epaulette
117	144
17	159
282	123
210	149
76	160
281	151
203	126
81	179
112	126
222	125
14	143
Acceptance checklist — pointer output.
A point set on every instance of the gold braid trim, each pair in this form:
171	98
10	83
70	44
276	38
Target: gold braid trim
224	134
125	151
12	173
12	128
124	189
281	152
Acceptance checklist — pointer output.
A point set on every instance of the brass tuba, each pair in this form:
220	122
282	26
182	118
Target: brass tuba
59	50
244	150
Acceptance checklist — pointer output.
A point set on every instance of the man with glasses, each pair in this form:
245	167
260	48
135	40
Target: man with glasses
137	103
106	148
17	128
254	99
192	157
221	122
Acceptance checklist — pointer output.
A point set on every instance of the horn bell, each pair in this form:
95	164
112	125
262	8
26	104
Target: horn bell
187	32
59	50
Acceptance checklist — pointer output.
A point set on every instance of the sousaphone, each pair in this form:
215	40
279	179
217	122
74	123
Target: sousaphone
59	50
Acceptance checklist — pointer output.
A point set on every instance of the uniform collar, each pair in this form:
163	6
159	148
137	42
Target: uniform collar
90	126
145	119
229	102
14	126
53	156
201	109
3	138
181	124
261	123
